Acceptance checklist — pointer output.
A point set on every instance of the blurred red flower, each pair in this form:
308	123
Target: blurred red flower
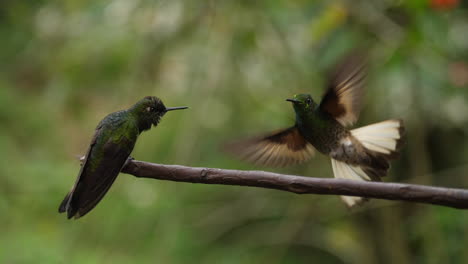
443	4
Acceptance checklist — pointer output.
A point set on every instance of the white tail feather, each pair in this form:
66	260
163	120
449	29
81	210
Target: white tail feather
380	137
346	171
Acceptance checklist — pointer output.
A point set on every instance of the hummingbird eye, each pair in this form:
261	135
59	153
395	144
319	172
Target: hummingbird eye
149	109
309	101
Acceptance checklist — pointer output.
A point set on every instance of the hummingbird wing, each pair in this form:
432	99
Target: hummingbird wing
105	158
343	97
277	149
64	205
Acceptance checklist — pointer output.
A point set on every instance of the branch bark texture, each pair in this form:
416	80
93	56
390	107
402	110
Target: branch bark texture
456	198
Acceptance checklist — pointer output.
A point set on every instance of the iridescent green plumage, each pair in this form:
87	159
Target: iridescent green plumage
316	125
113	141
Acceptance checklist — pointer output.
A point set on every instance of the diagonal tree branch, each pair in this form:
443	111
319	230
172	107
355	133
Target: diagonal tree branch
457	198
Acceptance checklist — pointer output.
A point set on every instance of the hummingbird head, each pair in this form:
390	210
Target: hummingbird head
302	103
150	110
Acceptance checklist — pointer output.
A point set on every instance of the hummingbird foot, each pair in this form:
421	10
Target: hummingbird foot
129	159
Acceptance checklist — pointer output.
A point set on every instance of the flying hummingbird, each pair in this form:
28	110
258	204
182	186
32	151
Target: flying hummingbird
359	154
113	141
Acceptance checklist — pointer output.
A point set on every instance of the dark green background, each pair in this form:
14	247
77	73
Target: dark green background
64	65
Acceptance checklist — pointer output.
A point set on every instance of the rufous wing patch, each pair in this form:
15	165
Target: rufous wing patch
343	97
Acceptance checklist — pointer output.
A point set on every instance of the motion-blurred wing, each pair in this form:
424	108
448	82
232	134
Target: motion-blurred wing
343	97
105	159
278	149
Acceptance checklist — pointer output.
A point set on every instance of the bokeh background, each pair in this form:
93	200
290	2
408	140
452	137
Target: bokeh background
64	65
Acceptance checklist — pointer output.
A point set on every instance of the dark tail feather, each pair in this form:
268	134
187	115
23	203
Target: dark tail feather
378	165
63	206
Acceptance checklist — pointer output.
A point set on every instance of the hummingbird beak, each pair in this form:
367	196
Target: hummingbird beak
292	100
176	108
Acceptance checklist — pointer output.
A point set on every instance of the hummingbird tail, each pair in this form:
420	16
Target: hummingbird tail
383	139
346	171
382	142
63	205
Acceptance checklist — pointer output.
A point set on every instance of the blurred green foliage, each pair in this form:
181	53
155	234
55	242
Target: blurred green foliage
64	65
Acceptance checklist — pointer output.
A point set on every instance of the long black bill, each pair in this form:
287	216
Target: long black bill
292	100
176	108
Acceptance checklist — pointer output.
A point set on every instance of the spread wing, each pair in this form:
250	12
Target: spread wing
343	97
280	148
104	160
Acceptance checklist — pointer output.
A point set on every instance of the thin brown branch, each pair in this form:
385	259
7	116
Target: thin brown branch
457	198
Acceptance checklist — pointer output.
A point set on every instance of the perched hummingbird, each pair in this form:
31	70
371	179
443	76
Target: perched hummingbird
113	141
358	154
